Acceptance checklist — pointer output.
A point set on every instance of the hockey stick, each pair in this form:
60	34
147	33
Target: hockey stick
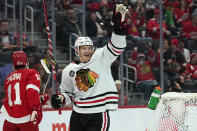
50	45
47	71
51	49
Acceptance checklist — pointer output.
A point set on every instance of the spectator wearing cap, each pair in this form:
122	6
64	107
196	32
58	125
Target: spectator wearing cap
173	53
174	62
145	78
190	31
191	74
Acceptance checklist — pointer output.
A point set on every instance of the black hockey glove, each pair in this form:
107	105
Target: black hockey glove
118	19
57	101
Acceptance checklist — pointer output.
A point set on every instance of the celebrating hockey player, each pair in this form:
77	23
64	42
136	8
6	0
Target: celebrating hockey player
88	80
22	109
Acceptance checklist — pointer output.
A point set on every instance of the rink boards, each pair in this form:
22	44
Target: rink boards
125	119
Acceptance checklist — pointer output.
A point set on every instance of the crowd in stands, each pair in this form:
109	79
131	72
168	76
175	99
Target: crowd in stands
179	26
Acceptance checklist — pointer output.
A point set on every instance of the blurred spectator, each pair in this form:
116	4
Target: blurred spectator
191	67
169	17
183	50
108	25
77	2
47	59
34	61
63	5
190	31
68	26
182	13
165	45
118	86
4	72
177	84
115	69
112	4
145	78
153	29
103	9
150	6
132	28
6	41
27	43
191	74
93	27
174	62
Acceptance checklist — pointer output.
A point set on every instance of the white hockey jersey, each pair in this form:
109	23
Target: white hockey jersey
90	85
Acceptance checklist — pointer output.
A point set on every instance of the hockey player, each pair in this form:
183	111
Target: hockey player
22	108
88	81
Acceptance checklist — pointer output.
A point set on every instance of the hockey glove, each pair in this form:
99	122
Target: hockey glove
44	98
118	19
36	115
57	101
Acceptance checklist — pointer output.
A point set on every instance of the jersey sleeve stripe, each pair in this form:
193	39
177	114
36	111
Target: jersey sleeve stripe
111	50
31	86
114	49
115	46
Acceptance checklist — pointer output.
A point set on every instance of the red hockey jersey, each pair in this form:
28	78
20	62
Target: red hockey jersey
22	89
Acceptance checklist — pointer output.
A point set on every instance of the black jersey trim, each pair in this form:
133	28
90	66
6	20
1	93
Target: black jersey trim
115	46
100	95
111	50
93	106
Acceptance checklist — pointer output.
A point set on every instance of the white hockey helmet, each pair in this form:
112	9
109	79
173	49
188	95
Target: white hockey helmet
80	41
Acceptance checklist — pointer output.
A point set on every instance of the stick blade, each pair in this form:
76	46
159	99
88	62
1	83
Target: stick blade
45	66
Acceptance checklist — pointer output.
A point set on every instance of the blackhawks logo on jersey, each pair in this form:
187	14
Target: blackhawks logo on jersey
85	79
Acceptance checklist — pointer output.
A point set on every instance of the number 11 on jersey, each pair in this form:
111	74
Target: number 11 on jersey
17	100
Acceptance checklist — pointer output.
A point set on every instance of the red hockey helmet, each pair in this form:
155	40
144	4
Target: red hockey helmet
19	58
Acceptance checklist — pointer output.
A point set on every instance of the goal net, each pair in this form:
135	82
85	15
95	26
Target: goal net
175	112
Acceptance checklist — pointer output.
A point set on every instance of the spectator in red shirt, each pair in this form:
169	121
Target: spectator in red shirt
190	31
145	78
190	28
153	30
191	68
182	13
191	74
153	27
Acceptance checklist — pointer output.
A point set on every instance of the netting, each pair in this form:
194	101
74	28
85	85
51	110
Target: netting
175	112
